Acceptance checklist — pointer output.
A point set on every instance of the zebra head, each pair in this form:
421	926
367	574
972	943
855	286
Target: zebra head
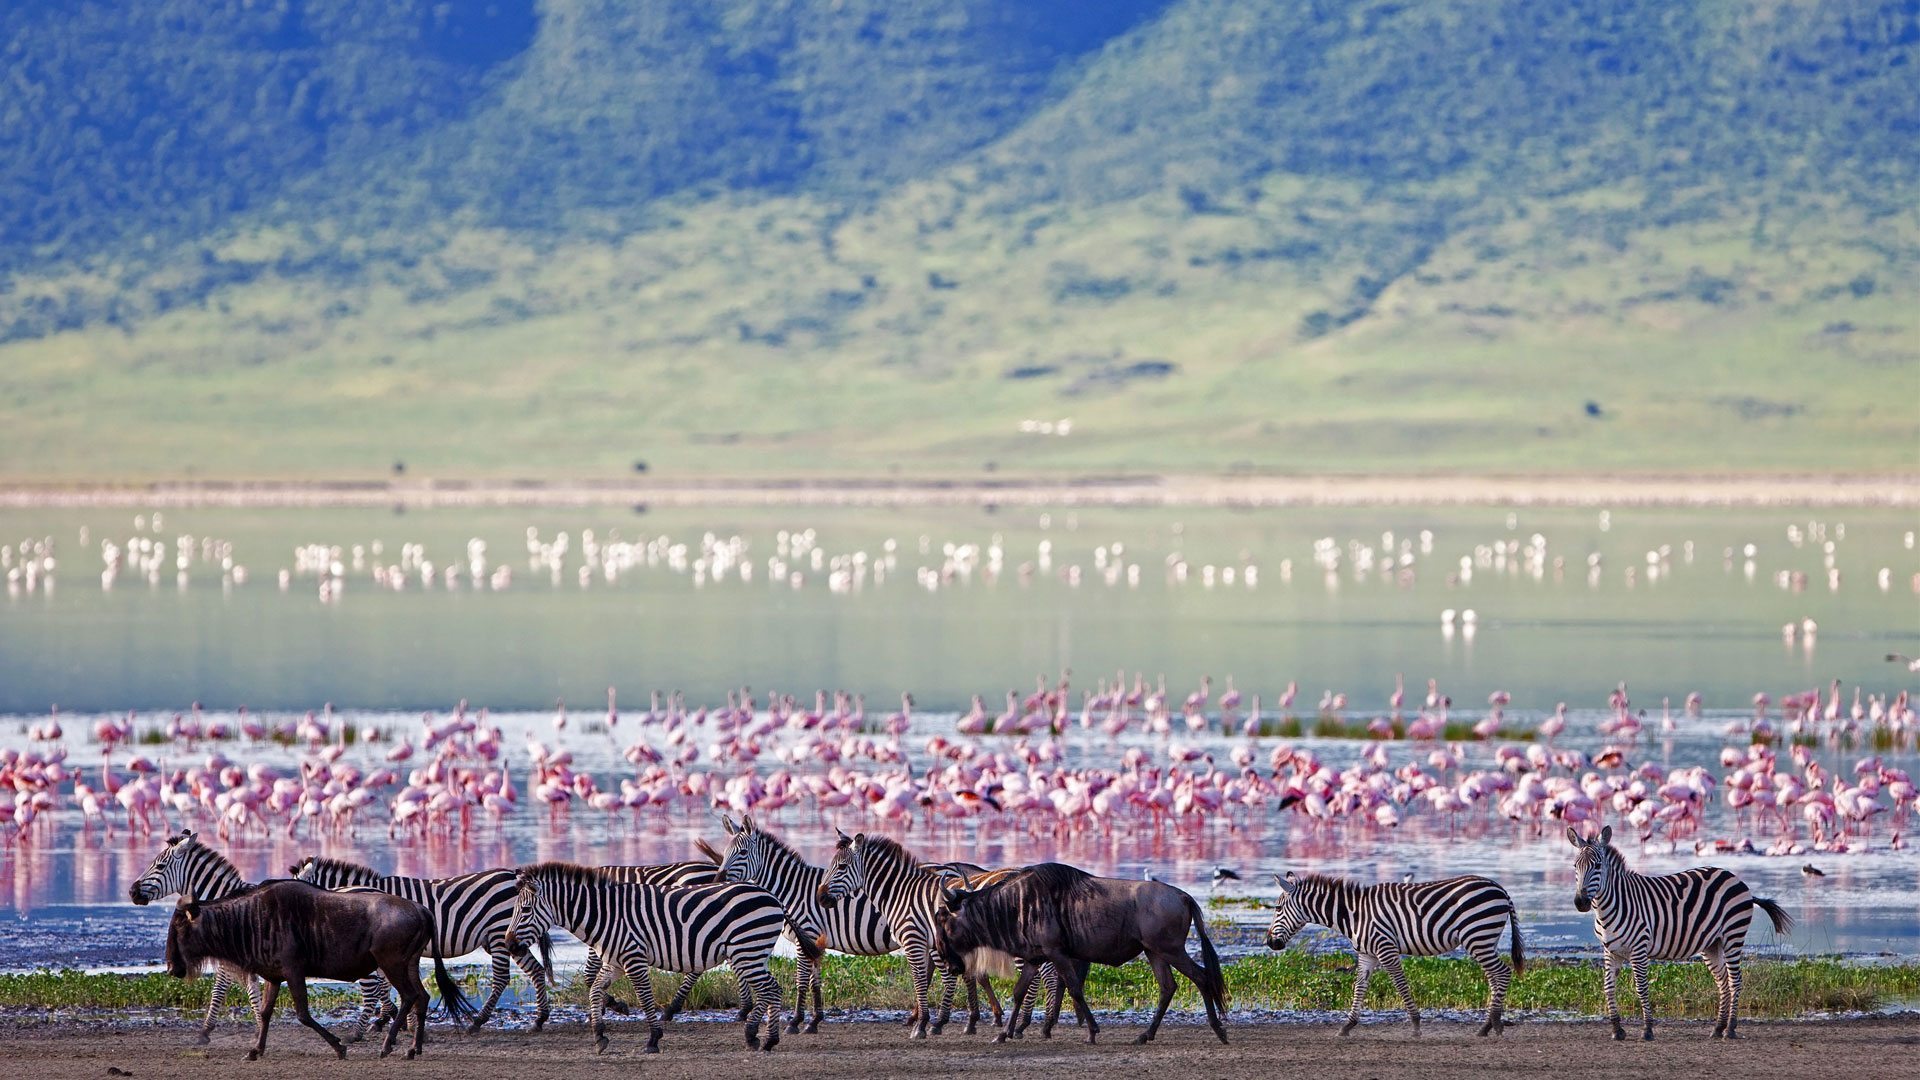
745	860
847	873
1289	915
533	914
169	872
1591	865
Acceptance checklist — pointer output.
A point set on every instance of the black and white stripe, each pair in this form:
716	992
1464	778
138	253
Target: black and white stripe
1416	918
471	913
1639	918
640	927
852	926
676	875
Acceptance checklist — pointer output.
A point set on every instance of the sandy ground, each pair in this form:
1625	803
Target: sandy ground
1090	490
1877	1047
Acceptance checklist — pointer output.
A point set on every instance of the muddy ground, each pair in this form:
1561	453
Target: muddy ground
1878	1047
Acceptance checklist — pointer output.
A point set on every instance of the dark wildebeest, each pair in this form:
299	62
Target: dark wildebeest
1052	913
290	931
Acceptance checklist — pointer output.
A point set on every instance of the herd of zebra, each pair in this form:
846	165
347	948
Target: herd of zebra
1048	922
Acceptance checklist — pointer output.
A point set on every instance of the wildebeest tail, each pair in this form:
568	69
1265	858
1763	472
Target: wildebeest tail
457	1006
1216	984
1517	951
1782	922
709	852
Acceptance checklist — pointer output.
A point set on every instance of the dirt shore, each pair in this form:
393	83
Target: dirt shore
1880	1046
1599	490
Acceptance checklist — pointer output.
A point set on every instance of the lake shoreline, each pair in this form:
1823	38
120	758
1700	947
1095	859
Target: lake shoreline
1112	490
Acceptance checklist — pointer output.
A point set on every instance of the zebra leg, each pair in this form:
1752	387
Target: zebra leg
802	977
1733	994
819	1005
543	994
297	987
217	997
920	962
1642	977
502	971
267	999
680	996
592	971
1391	962
950	981
757	980
373	1001
1716	964
1162	974
1020	990
1499	978
1056	991
640	973
1361	976
597	1005
1609	986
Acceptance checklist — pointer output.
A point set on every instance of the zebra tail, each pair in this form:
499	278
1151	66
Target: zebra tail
1216	983
1782	922
1518	952
809	944
546	954
451	999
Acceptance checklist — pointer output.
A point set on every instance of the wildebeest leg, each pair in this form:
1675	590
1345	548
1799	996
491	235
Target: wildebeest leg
1162	974
1070	974
404	974
267	998
639	972
542	980
297	986
1020	989
1185	965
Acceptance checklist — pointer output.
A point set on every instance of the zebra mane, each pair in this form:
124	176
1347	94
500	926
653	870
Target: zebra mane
889	848
219	862
1327	884
343	866
565	873
785	848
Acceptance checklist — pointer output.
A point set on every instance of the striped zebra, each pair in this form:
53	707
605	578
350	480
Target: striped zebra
1416	918
908	892
471	913
639	927
1641	918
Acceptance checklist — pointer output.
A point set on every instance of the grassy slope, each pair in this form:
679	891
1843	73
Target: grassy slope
1357	240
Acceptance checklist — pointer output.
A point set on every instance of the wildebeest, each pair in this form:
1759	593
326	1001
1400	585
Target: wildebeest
290	931
1053	913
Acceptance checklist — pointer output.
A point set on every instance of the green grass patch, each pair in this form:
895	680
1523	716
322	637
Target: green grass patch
1291	980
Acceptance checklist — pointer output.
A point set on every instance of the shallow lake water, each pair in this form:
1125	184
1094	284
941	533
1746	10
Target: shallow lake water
1669	602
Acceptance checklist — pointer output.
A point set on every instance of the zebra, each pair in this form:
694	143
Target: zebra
637	927
908	892
471	913
1418	918
1640	918
196	871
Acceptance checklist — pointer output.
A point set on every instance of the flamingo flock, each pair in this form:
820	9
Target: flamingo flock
1137	757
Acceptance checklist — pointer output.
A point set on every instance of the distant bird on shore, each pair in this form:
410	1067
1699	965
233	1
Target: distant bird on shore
1912	662
1221	873
1811	870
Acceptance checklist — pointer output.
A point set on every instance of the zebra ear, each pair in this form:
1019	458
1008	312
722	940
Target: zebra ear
1287	884
746	823
844	839
727	823
1573	837
1606	834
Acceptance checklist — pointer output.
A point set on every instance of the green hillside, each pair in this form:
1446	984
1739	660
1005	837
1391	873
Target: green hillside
755	237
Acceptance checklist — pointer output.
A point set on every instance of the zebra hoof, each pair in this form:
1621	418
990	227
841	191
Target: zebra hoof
474	1028
813	1028
1000	1038
600	1045
1732	1034
1143	1038
253	1055
204	1039
1647	1036
650	1048
1619	1034
412	1053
